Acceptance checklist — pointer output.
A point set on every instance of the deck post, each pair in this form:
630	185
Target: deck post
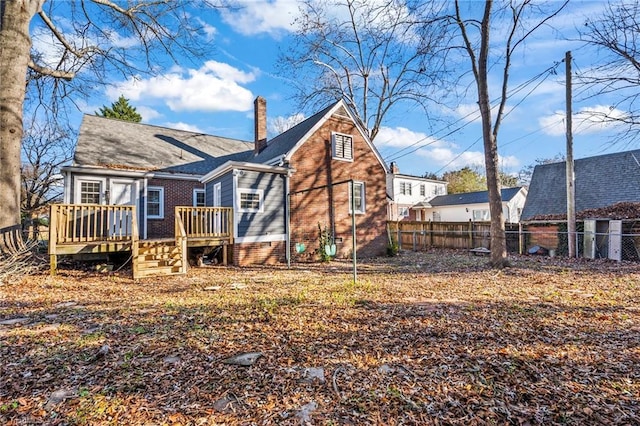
53	236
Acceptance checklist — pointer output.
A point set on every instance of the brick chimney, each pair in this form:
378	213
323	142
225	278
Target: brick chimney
394	168
260	122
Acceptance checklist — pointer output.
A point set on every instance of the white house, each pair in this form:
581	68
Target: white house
472	206
407	191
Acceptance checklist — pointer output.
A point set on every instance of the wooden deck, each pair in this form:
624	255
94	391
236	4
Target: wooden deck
90	228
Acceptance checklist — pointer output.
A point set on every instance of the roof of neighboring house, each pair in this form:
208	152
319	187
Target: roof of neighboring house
476	197
125	145
600	181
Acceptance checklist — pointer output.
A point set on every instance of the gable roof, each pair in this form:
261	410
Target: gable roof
125	145
476	197
286	144
600	181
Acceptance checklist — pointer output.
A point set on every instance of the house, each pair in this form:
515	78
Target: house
299	184
154	168
323	174
406	191
607	197
473	206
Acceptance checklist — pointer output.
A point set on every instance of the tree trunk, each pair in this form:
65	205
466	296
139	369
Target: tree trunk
15	46
498	239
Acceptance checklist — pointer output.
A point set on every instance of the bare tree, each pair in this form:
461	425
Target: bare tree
372	54
45	149
615	34
85	43
524	17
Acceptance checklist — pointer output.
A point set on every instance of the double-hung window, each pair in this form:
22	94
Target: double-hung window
342	147
358	198
90	192
251	200
198	198
155	202
423	190
405	188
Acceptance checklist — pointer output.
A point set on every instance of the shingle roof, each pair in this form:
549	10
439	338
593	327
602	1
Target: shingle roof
285	142
471	197
599	182
122	144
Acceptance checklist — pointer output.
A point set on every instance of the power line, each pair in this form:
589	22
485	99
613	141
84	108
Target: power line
520	87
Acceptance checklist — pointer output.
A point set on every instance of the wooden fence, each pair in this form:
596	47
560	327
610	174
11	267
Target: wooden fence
417	236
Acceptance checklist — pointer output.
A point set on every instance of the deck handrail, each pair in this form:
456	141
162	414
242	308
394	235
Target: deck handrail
206	222
85	223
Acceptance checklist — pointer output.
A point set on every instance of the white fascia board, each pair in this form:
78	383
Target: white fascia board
103	171
242	165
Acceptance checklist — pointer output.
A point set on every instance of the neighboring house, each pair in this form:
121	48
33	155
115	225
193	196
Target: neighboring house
280	190
600	181
474	206
607	198
407	191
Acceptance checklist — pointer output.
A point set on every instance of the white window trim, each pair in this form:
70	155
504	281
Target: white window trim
260	192
402	209
197	191
333	147
161	190
78	194
364	197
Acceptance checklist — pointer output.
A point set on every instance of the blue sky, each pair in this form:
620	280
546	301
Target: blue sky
215	95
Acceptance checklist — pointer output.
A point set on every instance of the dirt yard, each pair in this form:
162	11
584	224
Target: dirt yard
427	338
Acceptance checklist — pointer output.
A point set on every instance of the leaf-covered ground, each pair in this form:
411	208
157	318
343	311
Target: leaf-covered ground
427	338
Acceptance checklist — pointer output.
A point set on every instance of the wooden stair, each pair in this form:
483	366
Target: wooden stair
159	257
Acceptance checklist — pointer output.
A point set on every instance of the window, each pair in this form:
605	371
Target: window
438	190
155	202
423	190
436	216
342	147
481	215
90	192
358	198
199	198
403	211
250	200
405	188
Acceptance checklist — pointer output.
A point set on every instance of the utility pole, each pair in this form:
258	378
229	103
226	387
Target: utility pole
571	189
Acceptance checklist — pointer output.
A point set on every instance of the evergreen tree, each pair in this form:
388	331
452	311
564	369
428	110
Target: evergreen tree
122	110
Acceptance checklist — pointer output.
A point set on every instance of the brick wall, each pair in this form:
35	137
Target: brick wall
176	193
259	253
330	206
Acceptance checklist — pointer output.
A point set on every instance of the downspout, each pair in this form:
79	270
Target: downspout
287	219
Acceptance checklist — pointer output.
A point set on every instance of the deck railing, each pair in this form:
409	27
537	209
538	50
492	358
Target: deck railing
203	222
85	223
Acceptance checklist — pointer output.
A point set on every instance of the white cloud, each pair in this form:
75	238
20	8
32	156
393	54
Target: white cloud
401	137
183	126
588	120
469	112
250	17
148	114
213	87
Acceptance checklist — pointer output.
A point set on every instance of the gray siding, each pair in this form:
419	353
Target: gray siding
226	190
272	219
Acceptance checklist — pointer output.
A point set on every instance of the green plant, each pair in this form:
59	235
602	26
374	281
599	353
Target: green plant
325	240
393	249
